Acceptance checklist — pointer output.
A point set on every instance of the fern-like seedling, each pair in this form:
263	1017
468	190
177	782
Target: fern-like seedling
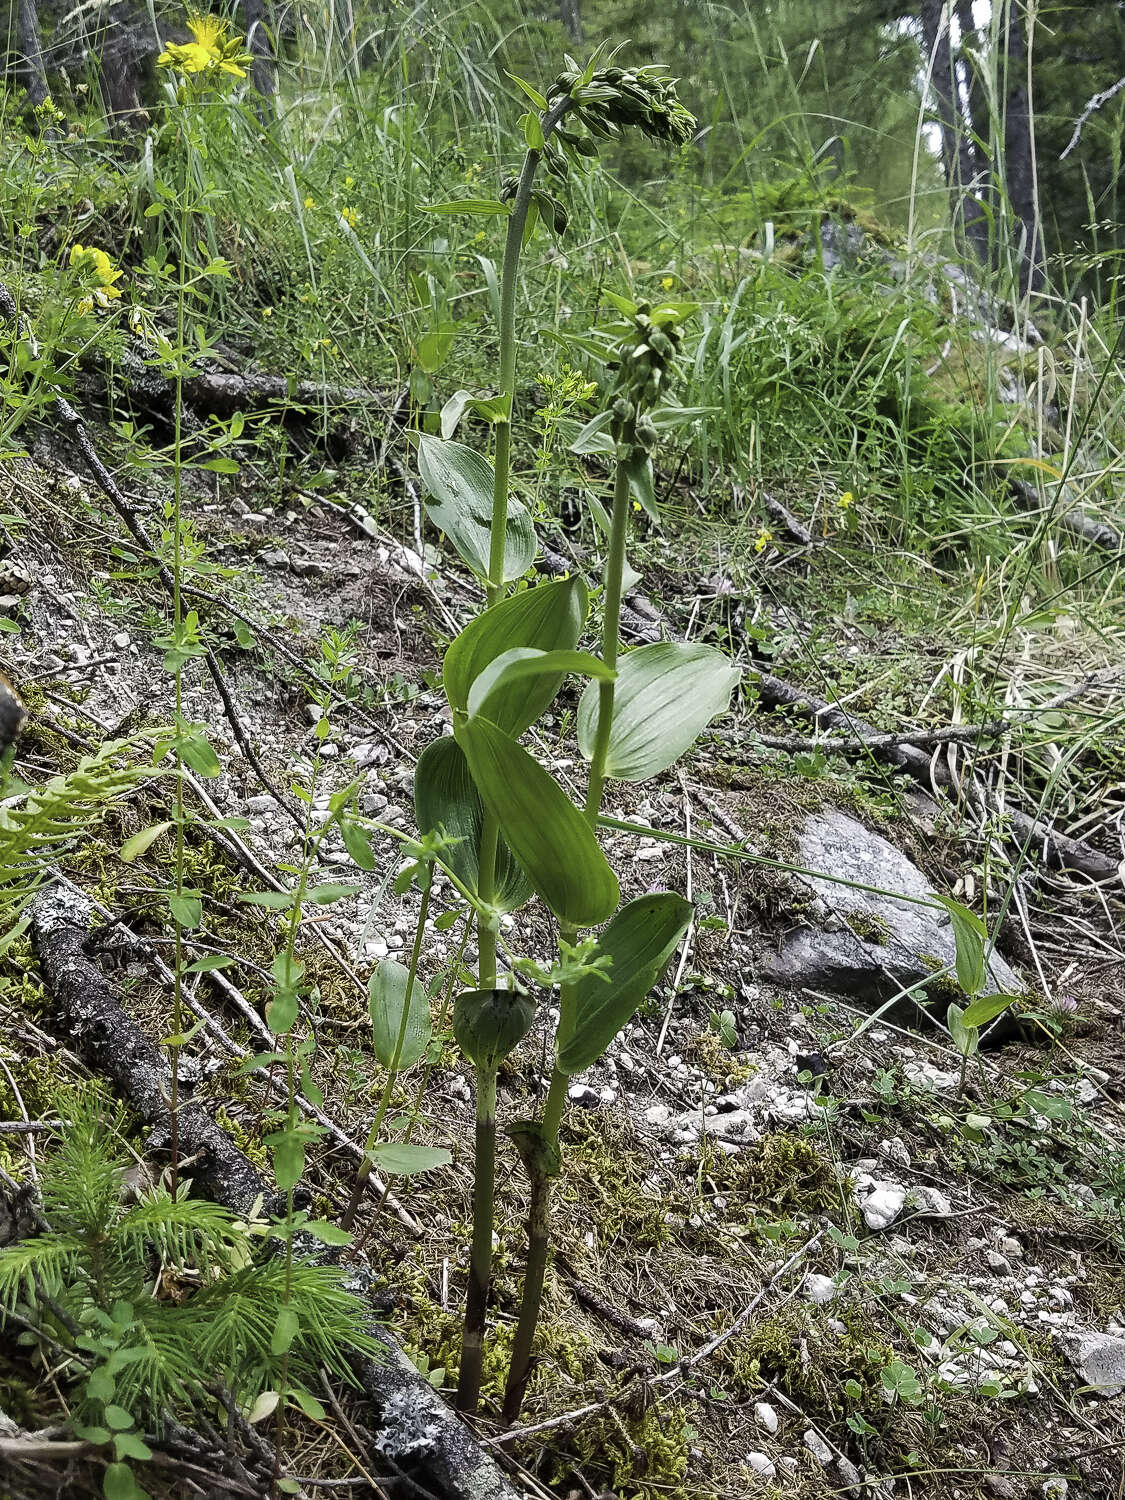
37	828
163	1299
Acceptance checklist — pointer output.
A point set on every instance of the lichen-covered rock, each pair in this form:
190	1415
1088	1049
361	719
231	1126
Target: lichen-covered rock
862	943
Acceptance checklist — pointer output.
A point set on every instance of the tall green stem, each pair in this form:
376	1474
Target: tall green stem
480	1262
539	1208
364	1170
513	247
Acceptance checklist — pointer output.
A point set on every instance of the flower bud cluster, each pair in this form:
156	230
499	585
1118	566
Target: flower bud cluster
642	362
614	99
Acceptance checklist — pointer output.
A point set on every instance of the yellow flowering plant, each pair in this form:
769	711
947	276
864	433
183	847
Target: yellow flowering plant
98	277
210	54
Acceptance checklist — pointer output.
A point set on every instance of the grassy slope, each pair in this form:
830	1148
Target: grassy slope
933	597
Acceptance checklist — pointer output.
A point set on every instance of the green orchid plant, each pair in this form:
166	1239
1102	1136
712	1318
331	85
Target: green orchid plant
510	830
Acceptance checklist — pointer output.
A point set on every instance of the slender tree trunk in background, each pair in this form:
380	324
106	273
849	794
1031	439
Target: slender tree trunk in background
31	59
263	72
1019	154
972	158
571	17
958	154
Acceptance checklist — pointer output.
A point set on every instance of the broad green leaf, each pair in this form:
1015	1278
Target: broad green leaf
459	482
987	1008
492	408
308	1404
969	936
641	484
641	940
357	844
209	963
595	437
129	1445
548	617
133	848
666	695
487	207
386	1001
263	1407
523	662
489	1024
966	1038
403	1159
545	831
187	910
532	131
445	797
285	1330
325	895
326	1233
118	1483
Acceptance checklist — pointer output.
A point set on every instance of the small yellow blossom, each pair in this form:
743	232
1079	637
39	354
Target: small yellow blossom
349	183
762	541
668	282
310	202
95	265
267	312
846	500
350	217
211	51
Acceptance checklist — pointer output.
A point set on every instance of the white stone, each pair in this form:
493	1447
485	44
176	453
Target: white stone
929	1200
882	1205
761	1463
818	1288
895	1150
766	1415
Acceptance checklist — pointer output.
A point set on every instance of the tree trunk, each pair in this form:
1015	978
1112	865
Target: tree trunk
958	153
1019	155
31	55
571	17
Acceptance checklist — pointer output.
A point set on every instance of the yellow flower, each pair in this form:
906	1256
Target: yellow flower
95	266
211	51
762	541
350	217
310	202
846	500
668	282
267	312
349	182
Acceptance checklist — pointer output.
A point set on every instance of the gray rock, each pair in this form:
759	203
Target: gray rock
273	557
761	1463
766	1415
880	944
1099	1359
818	1447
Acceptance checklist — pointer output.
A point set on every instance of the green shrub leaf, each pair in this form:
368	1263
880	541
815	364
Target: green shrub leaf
641	940
523	662
545	831
386	1001
969	936
666	695
549	617
459	482
986	1009
403	1159
445	797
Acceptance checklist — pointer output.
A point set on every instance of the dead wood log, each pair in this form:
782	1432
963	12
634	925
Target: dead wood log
416	1431
1078	523
1059	850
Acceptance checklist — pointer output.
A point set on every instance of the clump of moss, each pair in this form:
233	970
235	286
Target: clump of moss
868	926
250	1145
796	1351
605	1178
783	1173
641	1456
